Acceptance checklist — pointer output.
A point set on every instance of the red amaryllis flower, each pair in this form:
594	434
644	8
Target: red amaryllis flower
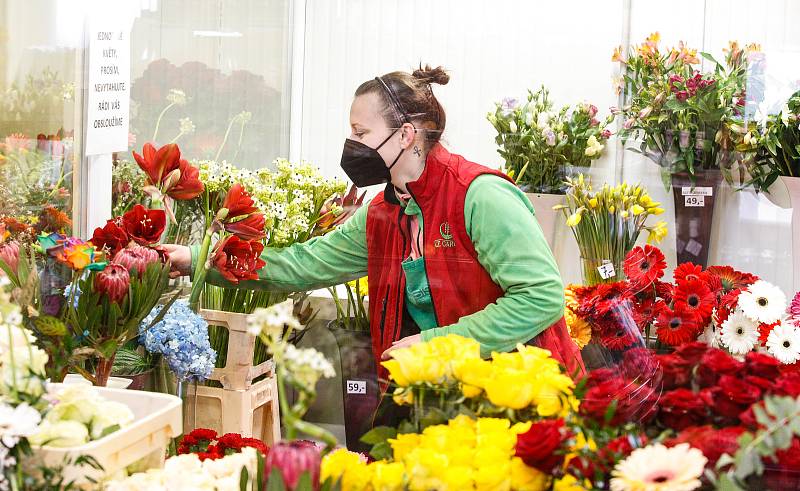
167	171
539	446
643	266
114	281
292	460
251	228
238	259
136	258
676	327
238	203
714	364
762	365
111	238
732	279
676	371
144	226
9	254
695	296
709	440
692	352
680	409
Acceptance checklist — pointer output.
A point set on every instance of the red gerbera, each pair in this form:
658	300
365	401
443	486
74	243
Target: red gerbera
643	266
676	327
647	311
618	339
664	291
688	272
727	304
764	330
696	297
732	279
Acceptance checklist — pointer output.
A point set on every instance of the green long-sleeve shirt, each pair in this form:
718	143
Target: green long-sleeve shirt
511	247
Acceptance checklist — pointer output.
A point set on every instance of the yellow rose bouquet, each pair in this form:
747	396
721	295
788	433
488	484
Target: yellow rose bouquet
607	223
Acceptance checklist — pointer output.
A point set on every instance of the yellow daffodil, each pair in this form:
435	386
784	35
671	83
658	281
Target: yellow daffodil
361	286
624	214
637	210
657	232
574	220
592	202
656	211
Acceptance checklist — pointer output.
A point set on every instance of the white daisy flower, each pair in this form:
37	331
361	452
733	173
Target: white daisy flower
763	302
657	467
739	333
783	343
710	336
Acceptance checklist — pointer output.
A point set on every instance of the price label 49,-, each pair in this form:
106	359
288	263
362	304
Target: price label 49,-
693	200
356	386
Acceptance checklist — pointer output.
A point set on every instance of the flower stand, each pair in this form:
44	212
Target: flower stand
242	405
140	446
694	215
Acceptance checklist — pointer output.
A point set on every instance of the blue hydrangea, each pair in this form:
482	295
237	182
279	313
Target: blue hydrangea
181	337
68	289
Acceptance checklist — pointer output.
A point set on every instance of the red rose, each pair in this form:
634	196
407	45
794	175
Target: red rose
144	226
730	398
762	365
633	402
112	237
203	434
599	397
251	228
709	440
680	409
230	441
748	417
676	371
692	352
604	460
785	473
257	444
238	202
237	259
788	384
538	447
640	364
765	385
714	364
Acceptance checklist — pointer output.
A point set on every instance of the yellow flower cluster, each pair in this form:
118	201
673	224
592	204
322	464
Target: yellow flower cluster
622	202
579	330
461	455
528	377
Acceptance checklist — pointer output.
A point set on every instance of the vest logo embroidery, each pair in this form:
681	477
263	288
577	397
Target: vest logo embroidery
447	237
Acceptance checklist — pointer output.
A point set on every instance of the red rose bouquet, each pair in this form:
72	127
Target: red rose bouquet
208	445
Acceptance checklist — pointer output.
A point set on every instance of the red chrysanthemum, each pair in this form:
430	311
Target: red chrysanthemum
643	266
688	272
696	297
676	327
732	279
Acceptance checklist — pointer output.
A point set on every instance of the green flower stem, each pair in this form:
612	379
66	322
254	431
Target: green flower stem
158	121
224	140
200	270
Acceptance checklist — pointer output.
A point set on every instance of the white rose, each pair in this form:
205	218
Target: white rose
60	434
110	413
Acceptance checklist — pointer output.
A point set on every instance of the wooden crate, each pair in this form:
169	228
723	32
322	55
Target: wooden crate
252	412
238	372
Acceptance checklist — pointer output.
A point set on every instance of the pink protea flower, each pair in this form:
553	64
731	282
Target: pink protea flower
136	258
9	254
113	281
293	459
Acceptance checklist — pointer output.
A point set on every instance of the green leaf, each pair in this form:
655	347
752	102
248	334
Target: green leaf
304	483
244	479
379	434
275	482
381	451
727	483
109	430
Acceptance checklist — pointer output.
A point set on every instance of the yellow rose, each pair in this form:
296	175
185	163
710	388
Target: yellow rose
524	478
403	445
458	477
462	422
416	364
510	388
396	372
494	476
403	396
470	391
338	463
550	394
387	476
570	483
474	371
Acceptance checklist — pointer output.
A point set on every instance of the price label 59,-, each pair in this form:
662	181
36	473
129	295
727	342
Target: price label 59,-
694	200
356	386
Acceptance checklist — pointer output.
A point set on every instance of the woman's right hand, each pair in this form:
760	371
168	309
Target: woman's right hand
180	258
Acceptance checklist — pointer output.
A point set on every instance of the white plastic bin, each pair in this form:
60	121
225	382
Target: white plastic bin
157	419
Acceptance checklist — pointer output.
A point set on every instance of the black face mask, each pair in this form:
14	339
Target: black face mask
364	165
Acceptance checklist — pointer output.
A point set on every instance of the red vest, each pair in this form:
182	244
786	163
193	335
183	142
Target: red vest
459	284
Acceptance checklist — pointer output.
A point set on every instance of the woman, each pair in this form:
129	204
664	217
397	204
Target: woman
449	246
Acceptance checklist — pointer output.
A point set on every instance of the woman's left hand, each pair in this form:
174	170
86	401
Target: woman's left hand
402	343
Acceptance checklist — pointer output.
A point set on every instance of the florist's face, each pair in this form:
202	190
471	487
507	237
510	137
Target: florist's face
368	126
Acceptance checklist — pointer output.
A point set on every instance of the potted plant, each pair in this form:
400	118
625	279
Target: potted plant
681	119
540	146
360	389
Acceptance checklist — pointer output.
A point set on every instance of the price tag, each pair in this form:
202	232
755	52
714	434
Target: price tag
698	191
692	200
694	247
356	386
606	270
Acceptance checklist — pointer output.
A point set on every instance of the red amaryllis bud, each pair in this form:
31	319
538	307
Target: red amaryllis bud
9	254
238	259
112	237
144	226
292	460
238	202
251	228
136	258
113	281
